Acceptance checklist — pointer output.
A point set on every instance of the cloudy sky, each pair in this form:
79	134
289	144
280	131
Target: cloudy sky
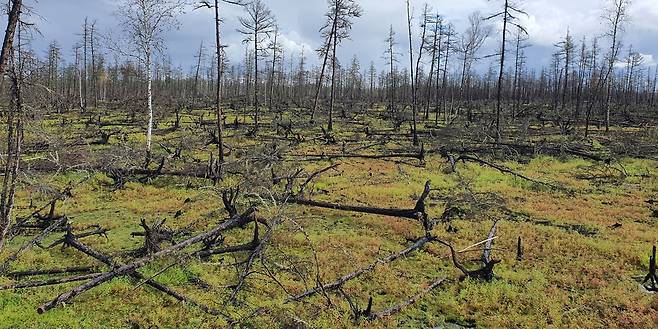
299	21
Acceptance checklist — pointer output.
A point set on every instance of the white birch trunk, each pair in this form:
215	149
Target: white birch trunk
149	129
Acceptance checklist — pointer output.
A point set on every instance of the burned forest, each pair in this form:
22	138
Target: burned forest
329	164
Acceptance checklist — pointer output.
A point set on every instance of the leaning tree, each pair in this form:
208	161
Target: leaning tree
336	29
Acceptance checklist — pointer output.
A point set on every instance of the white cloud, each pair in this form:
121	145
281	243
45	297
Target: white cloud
294	44
648	60
547	22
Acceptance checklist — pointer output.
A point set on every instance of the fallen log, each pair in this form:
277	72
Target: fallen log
79	269
137	276
249	246
129	268
99	232
418	212
506	170
420	156
399	307
50	282
32	242
345	278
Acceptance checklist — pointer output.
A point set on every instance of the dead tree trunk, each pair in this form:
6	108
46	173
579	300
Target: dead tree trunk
14	130
130	268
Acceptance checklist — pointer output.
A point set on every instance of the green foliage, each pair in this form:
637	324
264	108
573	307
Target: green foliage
566	279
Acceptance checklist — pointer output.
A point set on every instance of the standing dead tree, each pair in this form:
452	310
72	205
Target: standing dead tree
277	56
509	10
413	76
391	57
14	126
257	27
651	277
434	47
449	47
470	44
217	168
425	21
615	17
520	43
340	16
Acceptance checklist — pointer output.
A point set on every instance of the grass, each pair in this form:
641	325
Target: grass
566	280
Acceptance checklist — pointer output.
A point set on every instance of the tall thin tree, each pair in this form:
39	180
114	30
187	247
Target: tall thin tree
257	26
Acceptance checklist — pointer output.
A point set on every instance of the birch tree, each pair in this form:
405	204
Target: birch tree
144	24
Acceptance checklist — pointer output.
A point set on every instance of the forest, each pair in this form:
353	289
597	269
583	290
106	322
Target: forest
455	180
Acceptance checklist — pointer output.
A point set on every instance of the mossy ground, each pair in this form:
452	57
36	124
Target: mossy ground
566	279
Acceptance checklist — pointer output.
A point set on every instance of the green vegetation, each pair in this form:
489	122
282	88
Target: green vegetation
579	270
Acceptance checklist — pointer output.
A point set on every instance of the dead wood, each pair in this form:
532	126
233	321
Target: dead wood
651	277
228	198
121	176
131	267
486	255
506	170
516	216
154	236
49	282
313	175
420	156
58	223
400	306
553	151
60	195
99	231
417	213
207	251
79	269
350	276
260	246
483	273
72	242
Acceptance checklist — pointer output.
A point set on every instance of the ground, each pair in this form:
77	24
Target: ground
579	269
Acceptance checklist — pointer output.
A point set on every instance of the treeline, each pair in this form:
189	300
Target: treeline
450	76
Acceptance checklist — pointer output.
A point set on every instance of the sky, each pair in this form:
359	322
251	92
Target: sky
299	20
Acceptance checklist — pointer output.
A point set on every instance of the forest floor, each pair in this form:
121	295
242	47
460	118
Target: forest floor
585	245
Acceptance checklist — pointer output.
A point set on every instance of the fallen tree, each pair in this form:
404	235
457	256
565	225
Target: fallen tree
141	262
417	213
